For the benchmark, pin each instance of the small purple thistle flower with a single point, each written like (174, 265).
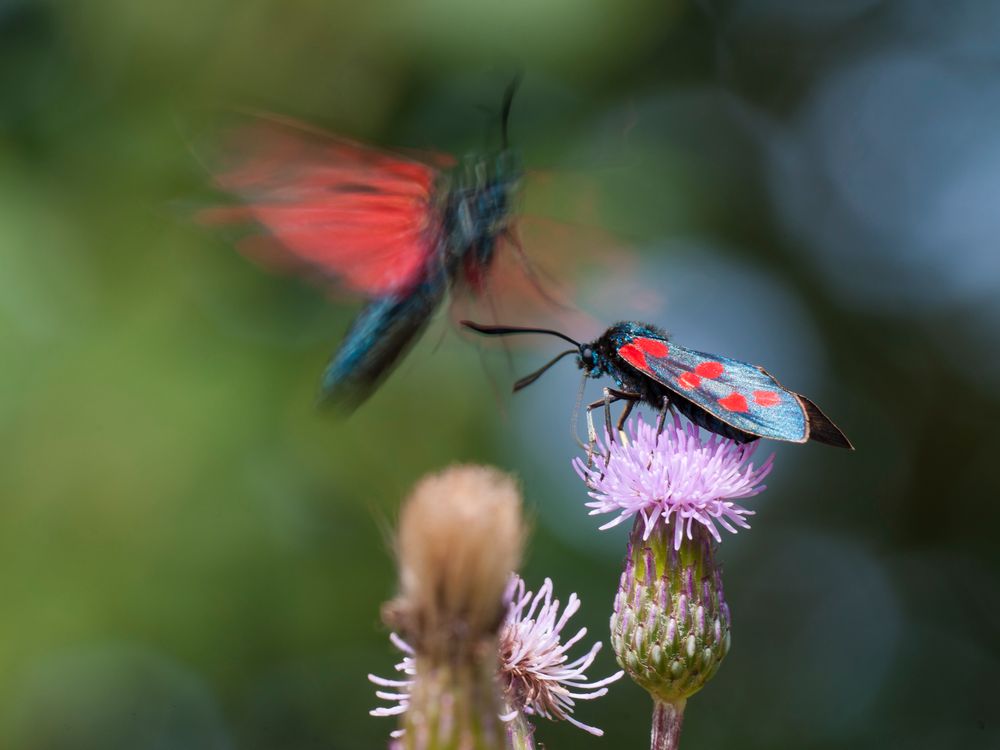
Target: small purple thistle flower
(460, 534)
(674, 474)
(535, 676)
(534, 671)
(401, 688)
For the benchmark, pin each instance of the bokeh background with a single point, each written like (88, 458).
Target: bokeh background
(192, 556)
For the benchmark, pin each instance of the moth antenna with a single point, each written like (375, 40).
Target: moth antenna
(509, 330)
(508, 100)
(491, 300)
(529, 379)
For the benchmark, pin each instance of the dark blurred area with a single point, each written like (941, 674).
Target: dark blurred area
(192, 556)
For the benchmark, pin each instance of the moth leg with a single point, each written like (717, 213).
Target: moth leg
(667, 406)
(591, 436)
(629, 405)
(608, 400)
(630, 400)
(531, 273)
(591, 431)
(611, 395)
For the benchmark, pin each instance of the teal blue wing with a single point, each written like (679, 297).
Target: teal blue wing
(742, 395)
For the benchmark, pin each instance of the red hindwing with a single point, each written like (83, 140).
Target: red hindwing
(360, 215)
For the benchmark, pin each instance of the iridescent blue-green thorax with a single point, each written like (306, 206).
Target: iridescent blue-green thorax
(600, 357)
(480, 207)
(476, 209)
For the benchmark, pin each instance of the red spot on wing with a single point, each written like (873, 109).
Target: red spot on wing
(654, 347)
(734, 402)
(634, 356)
(710, 370)
(688, 380)
(766, 398)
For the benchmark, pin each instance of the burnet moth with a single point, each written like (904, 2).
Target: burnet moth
(400, 231)
(726, 396)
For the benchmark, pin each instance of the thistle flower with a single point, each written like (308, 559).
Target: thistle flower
(534, 671)
(670, 628)
(673, 475)
(401, 688)
(460, 536)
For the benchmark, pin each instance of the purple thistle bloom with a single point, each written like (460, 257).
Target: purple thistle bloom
(676, 474)
(401, 688)
(535, 676)
(534, 671)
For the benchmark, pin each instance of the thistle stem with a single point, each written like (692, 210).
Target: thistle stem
(667, 720)
(454, 705)
(520, 734)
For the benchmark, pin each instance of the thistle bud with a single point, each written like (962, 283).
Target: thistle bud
(460, 537)
(670, 626)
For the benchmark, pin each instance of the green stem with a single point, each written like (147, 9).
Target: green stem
(454, 707)
(520, 733)
(667, 720)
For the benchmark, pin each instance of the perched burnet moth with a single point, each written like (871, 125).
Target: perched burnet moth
(722, 395)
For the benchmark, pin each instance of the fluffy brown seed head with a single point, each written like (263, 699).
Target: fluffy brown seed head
(460, 537)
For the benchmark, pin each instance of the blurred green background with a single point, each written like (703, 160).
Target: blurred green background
(191, 556)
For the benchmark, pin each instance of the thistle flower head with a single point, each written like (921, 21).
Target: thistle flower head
(535, 671)
(673, 474)
(460, 536)
(670, 628)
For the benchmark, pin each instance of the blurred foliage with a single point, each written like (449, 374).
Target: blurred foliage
(191, 556)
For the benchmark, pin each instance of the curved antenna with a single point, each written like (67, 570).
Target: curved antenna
(509, 330)
(529, 379)
(508, 99)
